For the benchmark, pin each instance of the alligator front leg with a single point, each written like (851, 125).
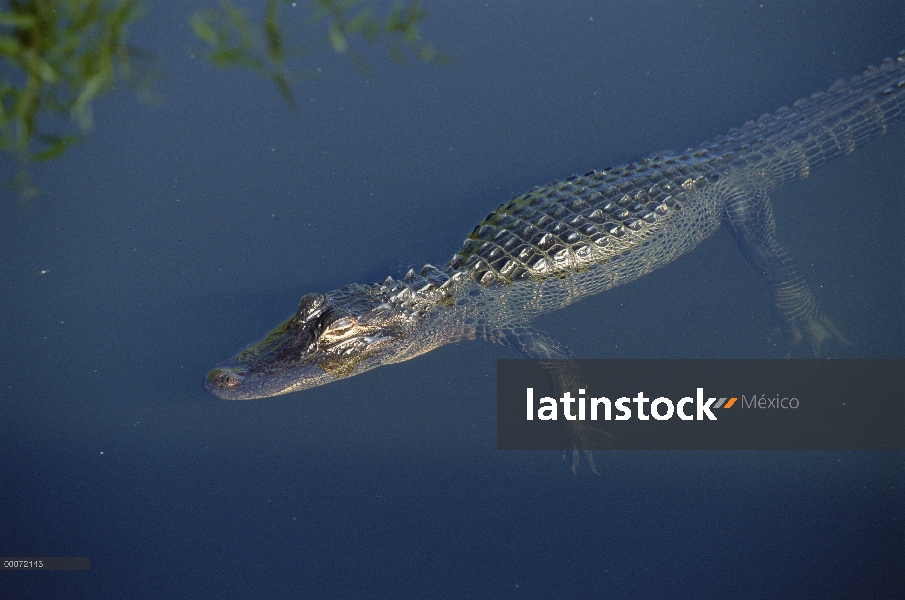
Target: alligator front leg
(749, 216)
(534, 343)
(558, 360)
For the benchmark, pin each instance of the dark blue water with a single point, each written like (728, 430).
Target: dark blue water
(180, 232)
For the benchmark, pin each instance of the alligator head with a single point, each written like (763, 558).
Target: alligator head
(330, 337)
(335, 335)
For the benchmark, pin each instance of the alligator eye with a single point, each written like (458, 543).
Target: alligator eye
(333, 326)
(339, 325)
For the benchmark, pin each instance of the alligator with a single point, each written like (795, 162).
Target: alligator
(556, 244)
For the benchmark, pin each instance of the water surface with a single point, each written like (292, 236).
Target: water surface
(179, 233)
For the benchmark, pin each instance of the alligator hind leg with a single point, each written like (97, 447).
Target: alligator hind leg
(750, 218)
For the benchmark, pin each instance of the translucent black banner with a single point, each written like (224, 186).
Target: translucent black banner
(45, 563)
(701, 405)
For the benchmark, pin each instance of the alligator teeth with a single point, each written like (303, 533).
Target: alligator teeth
(426, 288)
(427, 268)
(409, 276)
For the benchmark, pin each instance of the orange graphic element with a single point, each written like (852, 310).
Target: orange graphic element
(730, 403)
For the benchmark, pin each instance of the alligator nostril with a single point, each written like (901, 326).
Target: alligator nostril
(224, 379)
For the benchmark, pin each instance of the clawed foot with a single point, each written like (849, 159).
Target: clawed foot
(813, 328)
(584, 439)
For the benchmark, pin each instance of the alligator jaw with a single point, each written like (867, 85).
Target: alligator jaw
(236, 383)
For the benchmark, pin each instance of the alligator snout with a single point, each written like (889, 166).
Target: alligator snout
(224, 379)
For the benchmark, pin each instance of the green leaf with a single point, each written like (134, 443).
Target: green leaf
(283, 85)
(58, 145)
(359, 22)
(273, 33)
(427, 53)
(337, 39)
(17, 19)
(203, 28)
(80, 111)
(411, 33)
(45, 71)
(10, 46)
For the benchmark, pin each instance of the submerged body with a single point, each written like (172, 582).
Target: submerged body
(556, 244)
